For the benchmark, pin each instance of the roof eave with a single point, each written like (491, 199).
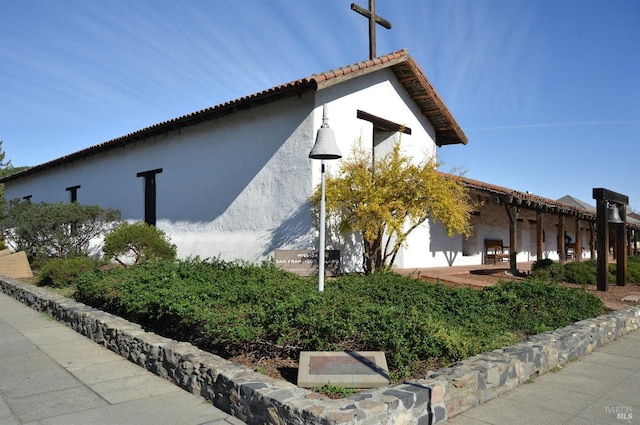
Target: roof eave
(432, 107)
(448, 131)
(164, 127)
(420, 89)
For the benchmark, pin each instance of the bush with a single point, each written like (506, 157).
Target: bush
(140, 241)
(46, 231)
(633, 269)
(235, 308)
(547, 270)
(63, 272)
(581, 272)
(535, 306)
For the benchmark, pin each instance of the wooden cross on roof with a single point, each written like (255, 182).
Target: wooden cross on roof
(373, 20)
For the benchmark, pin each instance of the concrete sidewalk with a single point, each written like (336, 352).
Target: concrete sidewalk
(600, 388)
(50, 374)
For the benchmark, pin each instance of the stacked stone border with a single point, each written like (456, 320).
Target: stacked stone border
(257, 399)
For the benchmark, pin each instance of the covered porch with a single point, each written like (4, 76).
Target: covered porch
(516, 228)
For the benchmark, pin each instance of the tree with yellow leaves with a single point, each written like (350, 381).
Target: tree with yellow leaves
(386, 200)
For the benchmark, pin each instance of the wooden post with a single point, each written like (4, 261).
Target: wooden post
(592, 240)
(512, 212)
(561, 241)
(577, 245)
(603, 198)
(602, 240)
(539, 235)
(621, 242)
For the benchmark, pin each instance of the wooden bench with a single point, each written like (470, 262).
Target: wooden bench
(495, 251)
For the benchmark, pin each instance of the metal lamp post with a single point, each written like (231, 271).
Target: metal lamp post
(325, 148)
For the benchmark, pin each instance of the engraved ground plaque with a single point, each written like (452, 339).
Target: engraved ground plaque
(350, 369)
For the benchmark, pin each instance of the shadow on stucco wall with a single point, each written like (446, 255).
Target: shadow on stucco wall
(442, 244)
(295, 232)
(300, 231)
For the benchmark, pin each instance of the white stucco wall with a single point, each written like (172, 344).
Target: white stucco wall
(492, 222)
(381, 95)
(238, 187)
(235, 187)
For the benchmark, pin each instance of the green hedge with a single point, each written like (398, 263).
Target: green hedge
(64, 272)
(582, 272)
(233, 308)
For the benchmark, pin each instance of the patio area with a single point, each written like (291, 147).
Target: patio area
(481, 275)
(473, 275)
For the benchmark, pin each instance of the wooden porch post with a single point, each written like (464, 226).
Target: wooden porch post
(539, 235)
(577, 246)
(561, 243)
(512, 212)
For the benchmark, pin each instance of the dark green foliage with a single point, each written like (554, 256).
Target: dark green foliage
(55, 230)
(334, 391)
(547, 270)
(535, 306)
(581, 272)
(63, 272)
(541, 264)
(139, 240)
(633, 269)
(231, 308)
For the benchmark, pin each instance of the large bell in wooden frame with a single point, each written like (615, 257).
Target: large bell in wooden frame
(613, 215)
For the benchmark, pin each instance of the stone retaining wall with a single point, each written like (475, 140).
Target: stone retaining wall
(257, 399)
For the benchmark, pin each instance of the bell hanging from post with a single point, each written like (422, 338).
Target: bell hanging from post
(325, 146)
(613, 215)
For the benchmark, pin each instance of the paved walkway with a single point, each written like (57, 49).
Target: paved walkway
(600, 388)
(50, 374)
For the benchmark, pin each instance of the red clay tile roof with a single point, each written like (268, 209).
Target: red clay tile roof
(524, 199)
(404, 67)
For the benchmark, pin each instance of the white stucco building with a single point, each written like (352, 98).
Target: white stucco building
(233, 181)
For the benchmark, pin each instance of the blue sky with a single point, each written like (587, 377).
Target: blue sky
(547, 91)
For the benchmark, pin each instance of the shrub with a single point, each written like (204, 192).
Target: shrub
(535, 306)
(55, 230)
(581, 272)
(139, 240)
(63, 272)
(547, 270)
(633, 269)
(235, 308)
